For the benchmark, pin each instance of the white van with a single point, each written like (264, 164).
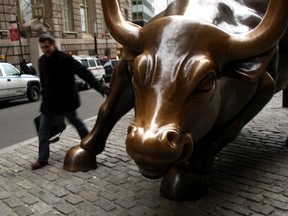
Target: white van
(15, 84)
(92, 64)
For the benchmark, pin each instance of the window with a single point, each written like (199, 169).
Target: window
(92, 63)
(85, 63)
(10, 70)
(26, 9)
(38, 9)
(84, 15)
(135, 2)
(137, 15)
(98, 62)
(67, 15)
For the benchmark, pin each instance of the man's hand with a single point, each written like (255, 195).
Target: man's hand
(103, 90)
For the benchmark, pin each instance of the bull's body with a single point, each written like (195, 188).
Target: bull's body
(196, 74)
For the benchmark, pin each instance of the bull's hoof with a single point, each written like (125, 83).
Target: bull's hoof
(78, 159)
(180, 184)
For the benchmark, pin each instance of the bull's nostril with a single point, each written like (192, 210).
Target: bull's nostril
(172, 137)
(131, 130)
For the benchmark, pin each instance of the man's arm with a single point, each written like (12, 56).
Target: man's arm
(86, 75)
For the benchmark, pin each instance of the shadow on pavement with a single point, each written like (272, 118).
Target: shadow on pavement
(7, 104)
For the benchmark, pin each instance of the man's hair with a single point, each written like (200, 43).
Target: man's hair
(46, 37)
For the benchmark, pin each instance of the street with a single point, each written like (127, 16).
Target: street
(17, 117)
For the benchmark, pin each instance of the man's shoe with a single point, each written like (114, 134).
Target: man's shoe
(39, 164)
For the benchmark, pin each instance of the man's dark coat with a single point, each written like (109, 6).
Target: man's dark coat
(59, 89)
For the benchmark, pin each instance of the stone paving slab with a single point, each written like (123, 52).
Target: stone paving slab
(249, 177)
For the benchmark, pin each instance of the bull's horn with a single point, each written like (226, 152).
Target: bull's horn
(264, 36)
(124, 32)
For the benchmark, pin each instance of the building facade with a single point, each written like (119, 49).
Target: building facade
(77, 25)
(144, 10)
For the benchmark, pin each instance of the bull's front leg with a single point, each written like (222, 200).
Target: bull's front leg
(121, 99)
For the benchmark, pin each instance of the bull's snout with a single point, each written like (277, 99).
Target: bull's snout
(155, 150)
(159, 145)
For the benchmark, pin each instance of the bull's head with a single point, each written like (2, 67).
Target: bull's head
(176, 67)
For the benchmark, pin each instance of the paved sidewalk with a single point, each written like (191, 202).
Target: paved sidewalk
(250, 177)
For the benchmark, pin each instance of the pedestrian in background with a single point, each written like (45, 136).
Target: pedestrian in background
(60, 93)
(27, 67)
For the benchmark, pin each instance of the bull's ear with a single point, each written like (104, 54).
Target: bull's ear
(251, 69)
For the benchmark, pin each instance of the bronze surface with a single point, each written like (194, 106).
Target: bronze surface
(195, 75)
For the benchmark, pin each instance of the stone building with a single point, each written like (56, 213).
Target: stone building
(77, 25)
(144, 10)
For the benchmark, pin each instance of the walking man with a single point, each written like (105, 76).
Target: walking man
(59, 92)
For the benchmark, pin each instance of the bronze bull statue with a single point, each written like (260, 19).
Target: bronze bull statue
(195, 75)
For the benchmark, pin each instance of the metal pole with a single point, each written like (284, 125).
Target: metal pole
(20, 43)
(95, 45)
(95, 40)
(19, 14)
(106, 44)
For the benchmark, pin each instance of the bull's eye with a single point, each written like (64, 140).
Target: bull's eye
(206, 84)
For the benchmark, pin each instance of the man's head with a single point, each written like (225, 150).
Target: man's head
(47, 44)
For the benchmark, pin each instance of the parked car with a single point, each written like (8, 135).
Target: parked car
(15, 84)
(109, 65)
(92, 64)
